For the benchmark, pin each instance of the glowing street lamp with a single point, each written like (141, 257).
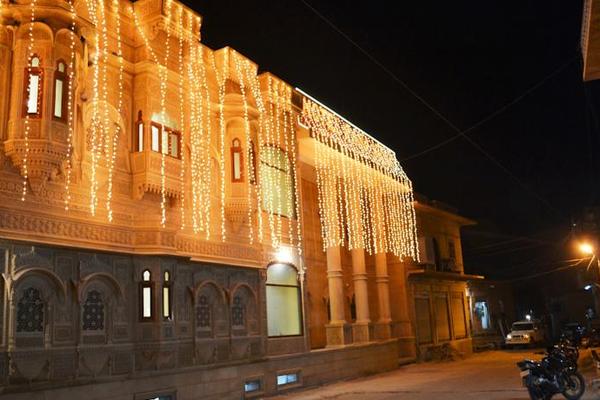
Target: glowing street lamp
(586, 248)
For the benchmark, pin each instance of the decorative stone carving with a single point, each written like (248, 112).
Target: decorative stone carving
(147, 174)
(93, 312)
(94, 360)
(44, 159)
(30, 311)
(30, 365)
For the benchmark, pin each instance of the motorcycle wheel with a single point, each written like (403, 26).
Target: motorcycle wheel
(535, 393)
(575, 386)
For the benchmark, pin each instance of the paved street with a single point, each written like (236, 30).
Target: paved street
(489, 375)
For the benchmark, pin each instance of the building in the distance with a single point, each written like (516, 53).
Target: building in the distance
(174, 225)
(438, 283)
(590, 40)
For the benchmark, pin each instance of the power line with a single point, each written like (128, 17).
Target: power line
(569, 266)
(493, 114)
(434, 110)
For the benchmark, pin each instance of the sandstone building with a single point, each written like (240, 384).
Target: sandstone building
(174, 225)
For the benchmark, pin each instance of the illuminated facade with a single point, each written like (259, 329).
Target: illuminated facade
(590, 40)
(165, 211)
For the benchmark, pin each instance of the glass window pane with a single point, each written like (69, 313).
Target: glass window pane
(146, 275)
(58, 98)
(174, 145)
(165, 142)
(147, 299)
(155, 138)
(32, 101)
(282, 274)
(286, 379)
(35, 62)
(166, 298)
(252, 386)
(237, 166)
(140, 140)
(283, 311)
(61, 67)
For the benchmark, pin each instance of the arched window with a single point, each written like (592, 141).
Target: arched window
(237, 158)
(238, 312)
(93, 312)
(32, 95)
(60, 85)
(284, 313)
(277, 181)
(204, 313)
(166, 295)
(146, 297)
(30, 312)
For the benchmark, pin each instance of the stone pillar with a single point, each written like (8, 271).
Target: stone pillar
(360, 328)
(12, 318)
(335, 328)
(383, 328)
(404, 328)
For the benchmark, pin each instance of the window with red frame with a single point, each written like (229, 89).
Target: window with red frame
(32, 89)
(60, 87)
(237, 159)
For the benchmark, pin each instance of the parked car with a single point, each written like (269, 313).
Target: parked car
(525, 333)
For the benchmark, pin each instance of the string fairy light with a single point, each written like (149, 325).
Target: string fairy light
(295, 177)
(27, 130)
(164, 70)
(115, 138)
(374, 195)
(105, 127)
(180, 32)
(68, 166)
(252, 83)
(193, 127)
(221, 82)
(92, 11)
(266, 156)
(163, 77)
(240, 77)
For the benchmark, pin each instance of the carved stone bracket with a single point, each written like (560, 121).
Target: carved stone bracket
(44, 159)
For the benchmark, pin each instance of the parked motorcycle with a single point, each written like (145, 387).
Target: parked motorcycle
(568, 348)
(556, 373)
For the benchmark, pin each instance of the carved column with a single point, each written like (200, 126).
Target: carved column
(382, 327)
(360, 328)
(335, 328)
(12, 317)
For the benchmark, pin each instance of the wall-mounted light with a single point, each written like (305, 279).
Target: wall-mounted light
(284, 254)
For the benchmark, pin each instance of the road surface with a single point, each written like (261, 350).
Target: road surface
(488, 375)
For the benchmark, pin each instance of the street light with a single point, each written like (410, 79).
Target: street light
(586, 248)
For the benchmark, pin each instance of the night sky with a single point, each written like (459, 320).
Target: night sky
(467, 59)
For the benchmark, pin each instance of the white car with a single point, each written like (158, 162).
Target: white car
(525, 332)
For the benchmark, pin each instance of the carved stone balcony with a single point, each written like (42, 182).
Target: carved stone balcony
(147, 175)
(44, 158)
